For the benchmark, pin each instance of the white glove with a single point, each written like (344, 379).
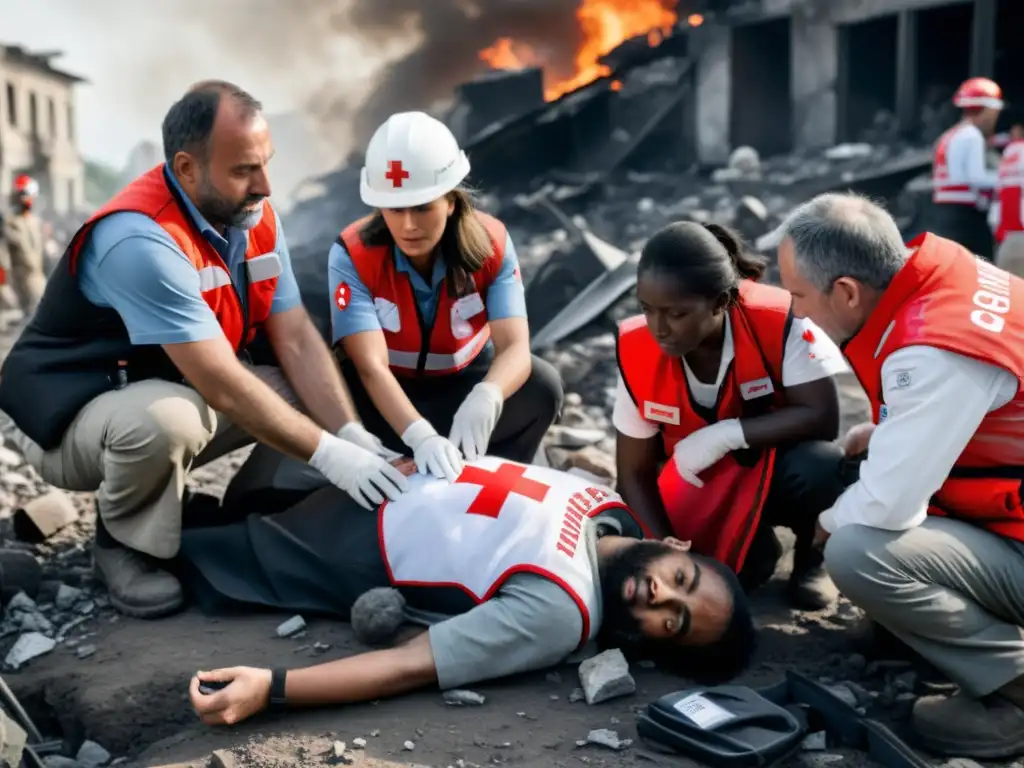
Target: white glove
(706, 447)
(356, 433)
(474, 421)
(433, 454)
(365, 477)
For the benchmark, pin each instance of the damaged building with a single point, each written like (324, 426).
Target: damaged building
(37, 127)
(784, 75)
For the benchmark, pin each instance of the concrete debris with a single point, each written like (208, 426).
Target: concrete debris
(44, 516)
(30, 645)
(92, 755)
(59, 761)
(292, 627)
(222, 758)
(338, 754)
(359, 743)
(606, 676)
(577, 695)
(67, 597)
(605, 737)
(814, 742)
(574, 437)
(12, 740)
(459, 698)
(409, 746)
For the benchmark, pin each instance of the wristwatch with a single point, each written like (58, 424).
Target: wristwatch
(278, 701)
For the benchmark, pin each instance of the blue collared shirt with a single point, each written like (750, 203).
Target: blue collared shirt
(131, 264)
(505, 297)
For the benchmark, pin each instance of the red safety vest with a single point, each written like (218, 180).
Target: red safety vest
(946, 298)
(1011, 190)
(720, 518)
(459, 332)
(946, 189)
(151, 195)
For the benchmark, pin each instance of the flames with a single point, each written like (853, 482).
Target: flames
(605, 24)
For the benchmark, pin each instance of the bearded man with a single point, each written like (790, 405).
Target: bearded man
(137, 365)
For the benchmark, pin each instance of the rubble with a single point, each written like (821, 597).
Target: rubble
(292, 627)
(458, 698)
(606, 676)
(605, 737)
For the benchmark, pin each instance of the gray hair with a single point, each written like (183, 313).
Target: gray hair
(189, 122)
(845, 235)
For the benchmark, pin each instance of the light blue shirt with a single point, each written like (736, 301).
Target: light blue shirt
(505, 297)
(132, 265)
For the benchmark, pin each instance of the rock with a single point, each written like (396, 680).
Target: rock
(606, 676)
(814, 742)
(34, 622)
(85, 651)
(358, 743)
(293, 626)
(844, 694)
(9, 458)
(577, 695)
(605, 737)
(751, 218)
(222, 758)
(457, 698)
(571, 437)
(12, 740)
(67, 597)
(746, 161)
(29, 646)
(59, 761)
(377, 615)
(92, 755)
(337, 756)
(409, 746)
(595, 462)
(21, 602)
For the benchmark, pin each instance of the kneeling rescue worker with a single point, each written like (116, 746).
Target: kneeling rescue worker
(962, 185)
(429, 311)
(130, 373)
(720, 379)
(929, 540)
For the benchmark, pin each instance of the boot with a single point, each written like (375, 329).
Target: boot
(136, 585)
(810, 588)
(989, 728)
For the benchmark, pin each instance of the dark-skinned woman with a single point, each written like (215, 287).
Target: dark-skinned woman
(429, 312)
(726, 410)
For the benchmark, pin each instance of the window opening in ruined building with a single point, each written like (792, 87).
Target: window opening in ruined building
(51, 110)
(761, 93)
(867, 88)
(12, 106)
(33, 114)
(943, 62)
(1009, 56)
(71, 123)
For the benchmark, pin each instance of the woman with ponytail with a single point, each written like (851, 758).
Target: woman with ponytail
(726, 409)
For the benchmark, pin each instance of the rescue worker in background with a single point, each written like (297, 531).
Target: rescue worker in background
(962, 186)
(131, 372)
(429, 312)
(725, 409)
(1006, 217)
(23, 241)
(930, 540)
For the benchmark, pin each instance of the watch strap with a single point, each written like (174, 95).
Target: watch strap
(278, 701)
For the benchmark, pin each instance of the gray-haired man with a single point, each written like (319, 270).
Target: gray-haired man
(930, 539)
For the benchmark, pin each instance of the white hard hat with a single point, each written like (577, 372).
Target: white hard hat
(412, 159)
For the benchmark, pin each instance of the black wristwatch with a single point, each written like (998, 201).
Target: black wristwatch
(278, 702)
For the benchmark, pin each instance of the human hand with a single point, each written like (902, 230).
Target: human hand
(356, 433)
(706, 447)
(434, 455)
(857, 439)
(475, 420)
(364, 476)
(247, 693)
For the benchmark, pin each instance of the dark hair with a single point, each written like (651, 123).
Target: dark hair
(707, 259)
(713, 664)
(465, 245)
(188, 124)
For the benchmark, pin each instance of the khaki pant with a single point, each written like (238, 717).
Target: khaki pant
(951, 591)
(134, 447)
(1010, 255)
(24, 260)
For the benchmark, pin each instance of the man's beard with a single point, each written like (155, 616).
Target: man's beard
(629, 562)
(221, 212)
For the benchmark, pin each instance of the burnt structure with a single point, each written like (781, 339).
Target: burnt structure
(783, 75)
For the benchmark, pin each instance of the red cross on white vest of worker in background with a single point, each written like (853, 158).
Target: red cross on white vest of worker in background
(396, 173)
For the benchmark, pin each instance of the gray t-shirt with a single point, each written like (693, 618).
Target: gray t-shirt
(531, 623)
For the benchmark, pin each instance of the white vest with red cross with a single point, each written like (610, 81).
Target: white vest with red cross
(498, 519)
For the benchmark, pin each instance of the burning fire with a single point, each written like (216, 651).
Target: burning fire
(606, 24)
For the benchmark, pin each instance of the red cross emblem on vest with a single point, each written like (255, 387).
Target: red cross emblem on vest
(497, 486)
(396, 173)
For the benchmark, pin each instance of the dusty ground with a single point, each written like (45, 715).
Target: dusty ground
(122, 682)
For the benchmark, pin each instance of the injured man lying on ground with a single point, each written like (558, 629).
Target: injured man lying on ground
(512, 568)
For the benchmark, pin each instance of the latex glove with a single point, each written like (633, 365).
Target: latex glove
(363, 475)
(474, 421)
(247, 692)
(356, 433)
(706, 447)
(434, 455)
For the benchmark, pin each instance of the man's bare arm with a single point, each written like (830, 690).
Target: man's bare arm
(310, 368)
(230, 388)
